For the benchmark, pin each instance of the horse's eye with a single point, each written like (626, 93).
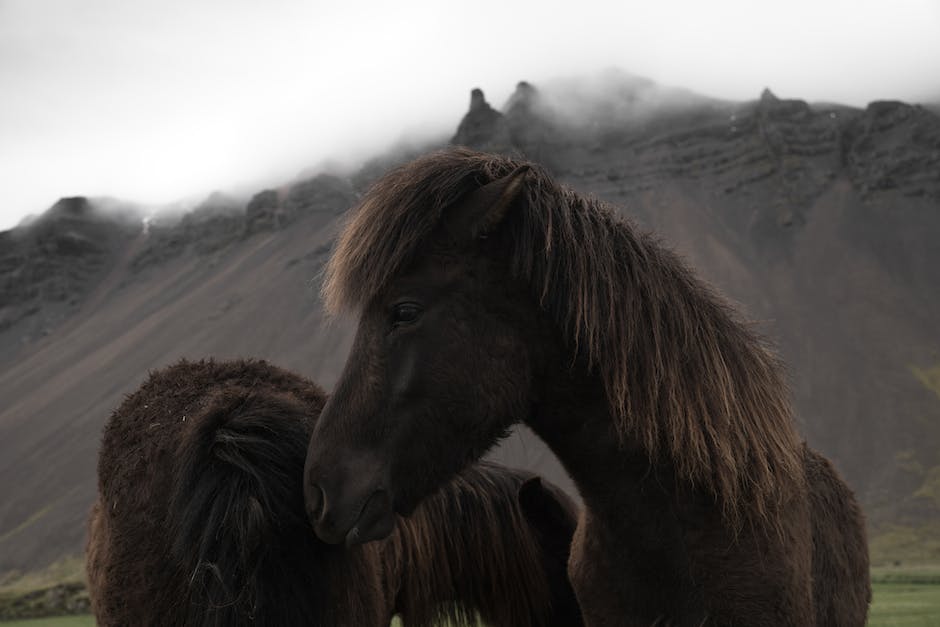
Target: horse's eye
(405, 313)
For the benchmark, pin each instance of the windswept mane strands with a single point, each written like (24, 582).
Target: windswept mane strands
(684, 375)
(493, 565)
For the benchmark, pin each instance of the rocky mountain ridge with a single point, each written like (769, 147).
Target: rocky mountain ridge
(822, 220)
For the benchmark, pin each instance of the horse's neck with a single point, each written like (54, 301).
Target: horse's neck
(574, 419)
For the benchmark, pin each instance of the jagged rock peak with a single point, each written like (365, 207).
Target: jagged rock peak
(769, 104)
(522, 98)
(478, 100)
(71, 205)
(71, 210)
(482, 127)
(524, 91)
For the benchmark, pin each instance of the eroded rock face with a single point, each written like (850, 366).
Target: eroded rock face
(50, 264)
(324, 193)
(262, 212)
(221, 222)
(895, 146)
(728, 146)
(213, 225)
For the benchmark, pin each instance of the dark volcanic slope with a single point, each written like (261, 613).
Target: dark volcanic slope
(824, 221)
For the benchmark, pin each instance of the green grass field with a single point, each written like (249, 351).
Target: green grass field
(905, 605)
(902, 598)
(894, 605)
(905, 595)
(59, 621)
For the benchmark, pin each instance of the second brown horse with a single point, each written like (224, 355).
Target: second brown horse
(200, 522)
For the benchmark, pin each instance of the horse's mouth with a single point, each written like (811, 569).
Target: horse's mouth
(376, 520)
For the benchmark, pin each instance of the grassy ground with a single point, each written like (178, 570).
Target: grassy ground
(58, 621)
(895, 605)
(906, 596)
(905, 605)
(57, 589)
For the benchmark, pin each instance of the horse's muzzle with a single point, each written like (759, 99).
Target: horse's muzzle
(349, 508)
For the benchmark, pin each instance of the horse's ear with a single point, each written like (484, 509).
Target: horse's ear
(546, 510)
(485, 208)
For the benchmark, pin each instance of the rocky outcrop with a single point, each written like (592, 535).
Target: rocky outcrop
(894, 146)
(50, 264)
(214, 224)
(322, 194)
(789, 146)
(526, 119)
(524, 127)
(784, 151)
(220, 221)
(483, 127)
(262, 213)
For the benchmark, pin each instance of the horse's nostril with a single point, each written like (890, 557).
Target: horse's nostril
(315, 501)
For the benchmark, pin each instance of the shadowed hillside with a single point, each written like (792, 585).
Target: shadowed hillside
(822, 220)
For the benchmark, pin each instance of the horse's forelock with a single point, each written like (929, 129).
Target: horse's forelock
(394, 219)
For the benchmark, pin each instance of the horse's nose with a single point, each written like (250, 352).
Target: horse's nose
(321, 510)
(339, 493)
(315, 500)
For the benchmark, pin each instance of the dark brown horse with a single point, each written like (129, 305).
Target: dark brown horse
(200, 521)
(490, 294)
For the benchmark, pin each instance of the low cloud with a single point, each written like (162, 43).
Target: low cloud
(156, 101)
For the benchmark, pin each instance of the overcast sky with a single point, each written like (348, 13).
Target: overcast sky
(154, 101)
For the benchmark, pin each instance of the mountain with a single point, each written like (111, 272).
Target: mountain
(823, 221)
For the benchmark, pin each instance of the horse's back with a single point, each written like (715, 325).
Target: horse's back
(200, 517)
(841, 580)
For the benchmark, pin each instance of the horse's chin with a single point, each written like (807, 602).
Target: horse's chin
(376, 520)
(405, 509)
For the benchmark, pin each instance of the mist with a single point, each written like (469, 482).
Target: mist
(154, 102)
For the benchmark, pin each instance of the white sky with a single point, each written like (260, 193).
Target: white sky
(156, 100)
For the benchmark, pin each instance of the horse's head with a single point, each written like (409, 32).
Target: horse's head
(441, 367)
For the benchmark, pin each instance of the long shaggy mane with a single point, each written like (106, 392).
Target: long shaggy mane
(685, 375)
(493, 565)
